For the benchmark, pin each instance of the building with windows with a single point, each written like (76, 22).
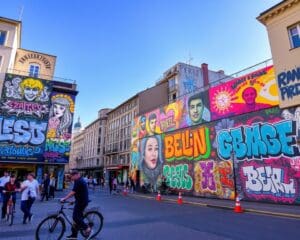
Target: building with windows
(89, 146)
(283, 25)
(184, 78)
(76, 146)
(34, 64)
(118, 134)
(37, 106)
(10, 41)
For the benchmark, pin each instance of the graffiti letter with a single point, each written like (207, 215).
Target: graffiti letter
(37, 132)
(177, 145)
(224, 147)
(268, 135)
(256, 147)
(239, 147)
(252, 182)
(208, 180)
(21, 134)
(199, 142)
(6, 129)
(285, 130)
(169, 148)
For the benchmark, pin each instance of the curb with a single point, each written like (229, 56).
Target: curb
(277, 214)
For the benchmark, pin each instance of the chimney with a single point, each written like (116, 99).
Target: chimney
(221, 72)
(204, 67)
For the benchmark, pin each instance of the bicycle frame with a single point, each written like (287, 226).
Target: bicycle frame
(62, 214)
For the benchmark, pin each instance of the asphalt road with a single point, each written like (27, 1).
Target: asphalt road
(129, 218)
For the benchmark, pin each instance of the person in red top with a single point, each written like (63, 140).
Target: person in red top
(9, 187)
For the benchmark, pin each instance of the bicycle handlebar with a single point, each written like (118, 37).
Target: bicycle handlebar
(4, 191)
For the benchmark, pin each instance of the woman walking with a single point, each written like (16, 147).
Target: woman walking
(30, 191)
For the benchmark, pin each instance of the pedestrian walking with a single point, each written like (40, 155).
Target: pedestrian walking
(90, 182)
(110, 183)
(52, 186)
(30, 191)
(80, 192)
(115, 183)
(132, 185)
(45, 187)
(102, 182)
(94, 183)
(3, 180)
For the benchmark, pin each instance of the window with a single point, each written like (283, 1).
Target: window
(294, 33)
(2, 37)
(34, 70)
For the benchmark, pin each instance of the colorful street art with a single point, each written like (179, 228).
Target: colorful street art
(264, 146)
(251, 92)
(58, 142)
(188, 111)
(24, 110)
(35, 121)
(240, 143)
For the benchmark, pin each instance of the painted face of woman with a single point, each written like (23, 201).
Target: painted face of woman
(151, 153)
(58, 110)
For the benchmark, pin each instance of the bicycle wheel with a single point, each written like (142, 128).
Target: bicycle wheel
(94, 220)
(52, 227)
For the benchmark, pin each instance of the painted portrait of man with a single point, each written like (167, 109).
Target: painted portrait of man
(197, 111)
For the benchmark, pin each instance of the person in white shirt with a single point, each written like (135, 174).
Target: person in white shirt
(30, 191)
(3, 180)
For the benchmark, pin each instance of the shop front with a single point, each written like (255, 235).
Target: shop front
(20, 170)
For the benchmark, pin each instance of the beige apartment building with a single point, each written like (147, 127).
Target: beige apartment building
(35, 64)
(10, 41)
(283, 25)
(88, 147)
(118, 137)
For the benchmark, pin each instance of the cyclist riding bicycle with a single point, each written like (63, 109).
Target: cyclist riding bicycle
(80, 192)
(10, 189)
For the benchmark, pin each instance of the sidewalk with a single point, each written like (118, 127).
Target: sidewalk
(280, 210)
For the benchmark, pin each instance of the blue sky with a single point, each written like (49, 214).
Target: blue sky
(116, 48)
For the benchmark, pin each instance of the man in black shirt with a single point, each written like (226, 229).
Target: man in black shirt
(80, 192)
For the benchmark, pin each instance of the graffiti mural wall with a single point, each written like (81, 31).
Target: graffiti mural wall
(251, 92)
(35, 121)
(266, 154)
(24, 114)
(252, 152)
(58, 142)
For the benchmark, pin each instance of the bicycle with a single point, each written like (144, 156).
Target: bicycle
(10, 208)
(55, 224)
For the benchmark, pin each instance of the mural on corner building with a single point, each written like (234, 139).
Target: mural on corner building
(35, 121)
(24, 111)
(58, 141)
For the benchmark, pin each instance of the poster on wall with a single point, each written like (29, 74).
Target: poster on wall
(24, 111)
(58, 142)
(251, 92)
